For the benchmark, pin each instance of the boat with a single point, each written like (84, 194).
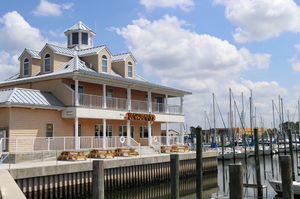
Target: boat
(277, 186)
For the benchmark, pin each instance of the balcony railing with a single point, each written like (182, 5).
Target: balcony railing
(96, 101)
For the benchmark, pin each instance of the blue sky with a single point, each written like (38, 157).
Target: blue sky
(201, 46)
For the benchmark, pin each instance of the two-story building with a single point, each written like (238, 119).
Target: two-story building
(84, 91)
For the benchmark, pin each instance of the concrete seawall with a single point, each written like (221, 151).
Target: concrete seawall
(119, 173)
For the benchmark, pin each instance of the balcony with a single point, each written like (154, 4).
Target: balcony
(121, 104)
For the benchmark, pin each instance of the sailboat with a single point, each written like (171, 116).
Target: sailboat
(277, 186)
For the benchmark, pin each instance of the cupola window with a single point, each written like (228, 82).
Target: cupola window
(130, 74)
(104, 64)
(47, 63)
(75, 38)
(26, 67)
(84, 38)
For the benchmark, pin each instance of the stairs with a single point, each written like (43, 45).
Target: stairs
(147, 150)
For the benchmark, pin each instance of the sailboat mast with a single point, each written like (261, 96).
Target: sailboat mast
(214, 118)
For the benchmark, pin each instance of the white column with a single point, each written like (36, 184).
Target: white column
(104, 133)
(149, 102)
(167, 133)
(149, 134)
(104, 95)
(76, 133)
(76, 93)
(181, 132)
(129, 98)
(128, 133)
(166, 104)
(181, 104)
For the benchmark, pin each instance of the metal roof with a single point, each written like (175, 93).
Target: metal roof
(32, 53)
(121, 57)
(90, 51)
(79, 26)
(21, 96)
(60, 50)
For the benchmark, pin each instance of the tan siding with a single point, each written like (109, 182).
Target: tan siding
(4, 117)
(46, 50)
(93, 60)
(59, 61)
(130, 59)
(106, 53)
(35, 66)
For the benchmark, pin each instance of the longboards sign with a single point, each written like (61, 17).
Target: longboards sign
(140, 117)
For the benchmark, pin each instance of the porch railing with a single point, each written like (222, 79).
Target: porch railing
(170, 140)
(139, 106)
(96, 101)
(25, 144)
(1, 147)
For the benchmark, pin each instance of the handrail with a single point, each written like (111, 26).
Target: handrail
(3, 159)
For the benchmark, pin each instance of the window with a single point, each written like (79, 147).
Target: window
(144, 132)
(49, 130)
(104, 64)
(99, 130)
(80, 91)
(123, 130)
(129, 69)
(84, 38)
(69, 39)
(75, 38)
(47, 63)
(26, 67)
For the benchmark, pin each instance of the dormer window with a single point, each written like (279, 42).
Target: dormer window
(75, 38)
(84, 38)
(104, 64)
(130, 68)
(47, 63)
(26, 67)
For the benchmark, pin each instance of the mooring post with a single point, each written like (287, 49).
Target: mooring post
(98, 179)
(174, 173)
(257, 165)
(286, 177)
(199, 184)
(236, 181)
(291, 152)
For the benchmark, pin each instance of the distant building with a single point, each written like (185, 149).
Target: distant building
(171, 132)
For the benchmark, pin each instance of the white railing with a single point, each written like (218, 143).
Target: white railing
(25, 144)
(116, 103)
(95, 101)
(139, 106)
(174, 109)
(170, 140)
(158, 108)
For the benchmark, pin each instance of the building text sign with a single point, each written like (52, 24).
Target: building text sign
(140, 117)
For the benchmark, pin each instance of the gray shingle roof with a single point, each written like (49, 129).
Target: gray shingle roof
(21, 96)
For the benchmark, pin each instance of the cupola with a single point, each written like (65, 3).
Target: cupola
(80, 35)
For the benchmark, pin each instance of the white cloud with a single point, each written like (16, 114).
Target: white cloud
(8, 65)
(16, 34)
(258, 20)
(185, 5)
(46, 8)
(196, 62)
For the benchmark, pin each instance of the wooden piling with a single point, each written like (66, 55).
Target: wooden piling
(174, 171)
(235, 181)
(286, 177)
(257, 165)
(199, 165)
(291, 152)
(98, 179)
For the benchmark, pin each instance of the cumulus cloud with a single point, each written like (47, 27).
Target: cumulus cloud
(8, 65)
(16, 34)
(295, 60)
(185, 5)
(196, 62)
(258, 20)
(46, 8)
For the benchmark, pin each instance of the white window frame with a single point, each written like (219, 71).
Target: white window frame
(26, 62)
(143, 128)
(104, 59)
(125, 127)
(130, 65)
(109, 130)
(47, 58)
(87, 41)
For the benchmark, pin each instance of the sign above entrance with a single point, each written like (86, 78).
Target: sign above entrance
(140, 117)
